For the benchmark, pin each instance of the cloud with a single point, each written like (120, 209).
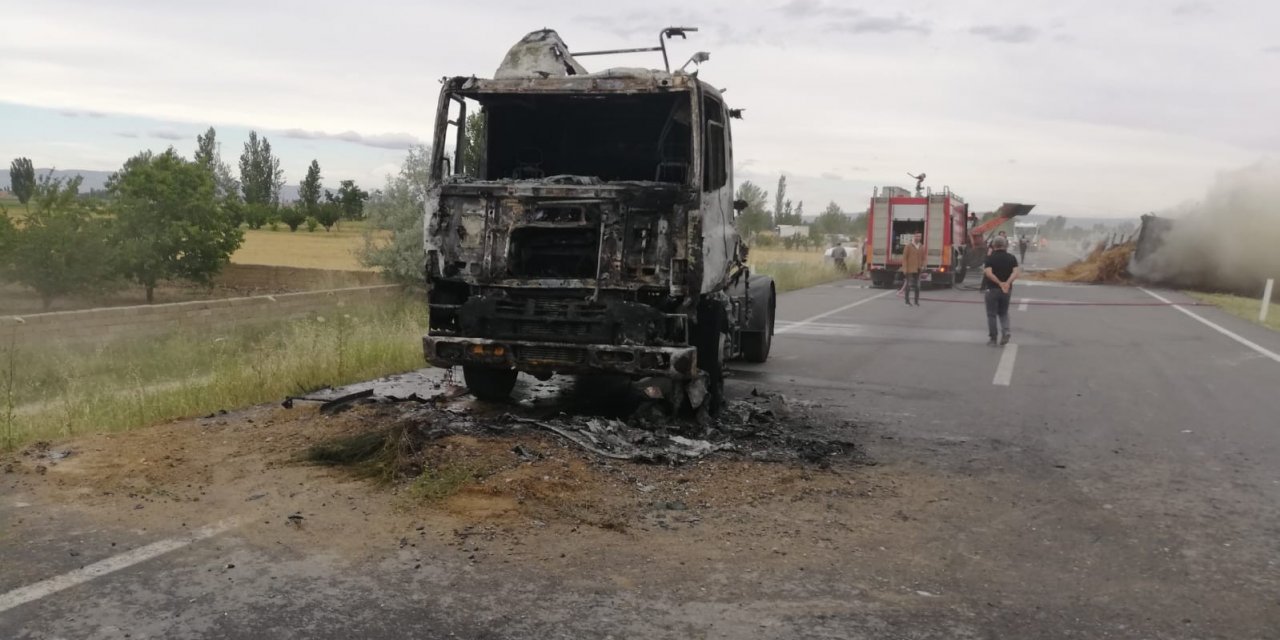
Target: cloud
(1011, 33)
(1272, 49)
(166, 134)
(817, 9)
(127, 134)
(830, 176)
(883, 25)
(77, 113)
(378, 140)
(1192, 9)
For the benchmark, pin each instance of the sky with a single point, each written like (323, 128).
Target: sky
(1086, 108)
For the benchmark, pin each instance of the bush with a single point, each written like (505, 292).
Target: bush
(312, 223)
(397, 211)
(256, 215)
(328, 214)
(292, 216)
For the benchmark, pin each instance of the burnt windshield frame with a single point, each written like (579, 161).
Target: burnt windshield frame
(531, 135)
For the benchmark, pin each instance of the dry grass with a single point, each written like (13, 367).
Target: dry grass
(1241, 306)
(319, 249)
(1101, 266)
(793, 269)
(60, 391)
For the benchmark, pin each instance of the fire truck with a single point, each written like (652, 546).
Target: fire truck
(953, 240)
(942, 221)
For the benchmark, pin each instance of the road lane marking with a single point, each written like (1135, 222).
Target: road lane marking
(1212, 325)
(884, 332)
(801, 323)
(33, 592)
(1004, 370)
(1022, 304)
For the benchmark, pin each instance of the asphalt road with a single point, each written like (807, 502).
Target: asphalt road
(1124, 459)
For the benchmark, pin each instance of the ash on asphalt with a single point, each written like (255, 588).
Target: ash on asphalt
(609, 417)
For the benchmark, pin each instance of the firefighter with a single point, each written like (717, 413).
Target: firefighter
(912, 263)
(998, 272)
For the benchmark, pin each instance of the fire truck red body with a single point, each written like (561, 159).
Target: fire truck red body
(941, 219)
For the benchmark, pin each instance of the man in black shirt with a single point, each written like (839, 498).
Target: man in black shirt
(998, 272)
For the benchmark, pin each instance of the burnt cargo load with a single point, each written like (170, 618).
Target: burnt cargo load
(589, 227)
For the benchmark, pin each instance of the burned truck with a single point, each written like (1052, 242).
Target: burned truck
(584, 223)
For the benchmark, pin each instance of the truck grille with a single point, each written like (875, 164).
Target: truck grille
(550, 355)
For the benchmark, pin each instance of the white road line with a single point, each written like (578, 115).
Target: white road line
(801, 323)
(1004, 370)
(30, 593)
(1022, 304)
(1226, 332)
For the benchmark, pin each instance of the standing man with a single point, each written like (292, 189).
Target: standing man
(838, 255)
(1023, 242)
(999, 271)
(912, 263)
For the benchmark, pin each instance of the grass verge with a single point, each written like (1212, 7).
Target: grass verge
(792, 270)
(1241, 306)
(54, 391)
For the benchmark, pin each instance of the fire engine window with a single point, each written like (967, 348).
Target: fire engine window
(714, 174)
(902, 232)
(607, 136)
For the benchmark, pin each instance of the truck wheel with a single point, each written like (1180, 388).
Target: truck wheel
(756, 344)
(489, 384)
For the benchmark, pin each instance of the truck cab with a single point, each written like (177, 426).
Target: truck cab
(584, 223)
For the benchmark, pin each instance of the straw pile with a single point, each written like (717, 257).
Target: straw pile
(1102, 266)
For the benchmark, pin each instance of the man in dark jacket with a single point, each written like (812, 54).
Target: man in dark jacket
(999, 271)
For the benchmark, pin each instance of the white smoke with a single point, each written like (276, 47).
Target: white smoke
(1230, 241)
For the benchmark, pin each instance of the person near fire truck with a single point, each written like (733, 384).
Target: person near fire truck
(912, 263)
(999, 271)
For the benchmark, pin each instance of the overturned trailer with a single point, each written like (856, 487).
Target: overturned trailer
(590, 227)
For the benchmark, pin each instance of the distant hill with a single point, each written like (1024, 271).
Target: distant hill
(97, 181)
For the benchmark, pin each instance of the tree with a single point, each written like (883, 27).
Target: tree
(7, 232)
(1053, 226)
(779, 200)
(328, 214)
(60, 249)
(309, 191)
(209, 156)
(473, 151)
(22, 179)
(799, 214)
(831, 221)
(168, 222)
(292, 215)
(350, 198)
(396, 211)
(260, 173)
(755, 218)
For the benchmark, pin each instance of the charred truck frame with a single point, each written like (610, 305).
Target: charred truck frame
(591, 229)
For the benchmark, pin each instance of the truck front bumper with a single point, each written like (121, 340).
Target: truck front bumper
(557, 357)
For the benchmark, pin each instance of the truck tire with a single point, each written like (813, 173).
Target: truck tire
(489, 384)
(756, 344)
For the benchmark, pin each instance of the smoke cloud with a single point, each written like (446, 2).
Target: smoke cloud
(1230, 241)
